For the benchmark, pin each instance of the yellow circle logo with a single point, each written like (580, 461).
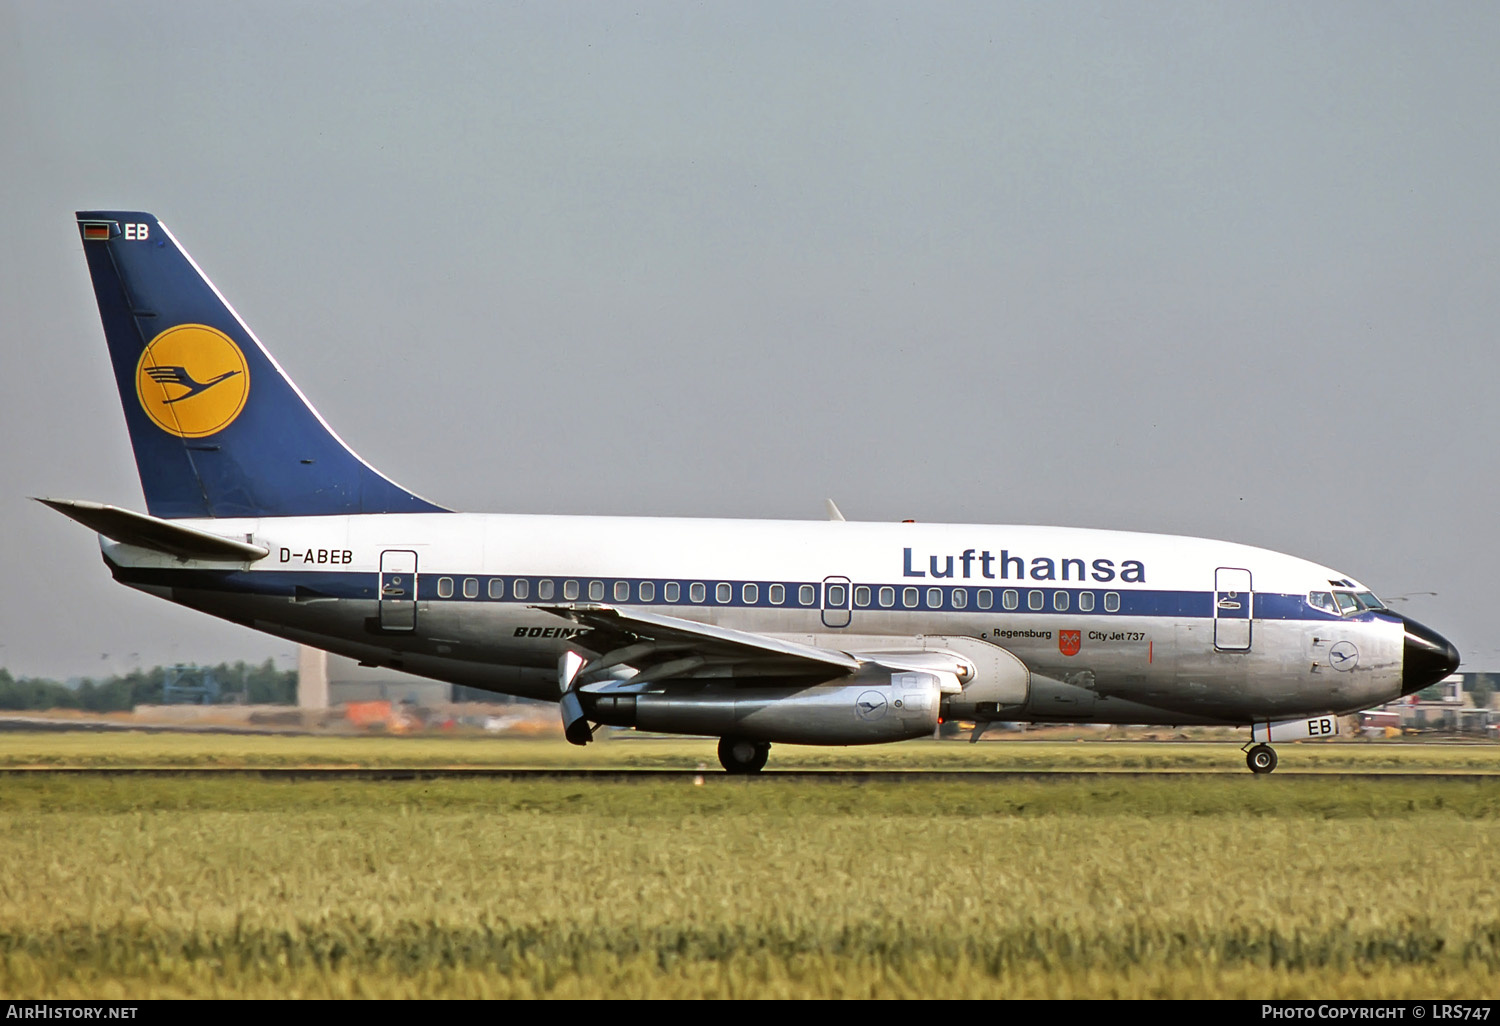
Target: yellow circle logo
(192, 381)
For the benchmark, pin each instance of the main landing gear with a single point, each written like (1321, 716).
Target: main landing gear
(740, 755)
(1261, 759)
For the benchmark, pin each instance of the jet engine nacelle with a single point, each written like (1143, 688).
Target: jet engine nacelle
(998, 683)
(869, 707)
(993, 684)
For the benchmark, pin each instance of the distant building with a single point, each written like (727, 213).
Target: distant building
(1448, 706)
(325, 680)
(312, 678)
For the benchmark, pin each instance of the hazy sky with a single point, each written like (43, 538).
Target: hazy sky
(1229, 270)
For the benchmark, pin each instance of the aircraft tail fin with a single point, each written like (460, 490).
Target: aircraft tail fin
(218, 428)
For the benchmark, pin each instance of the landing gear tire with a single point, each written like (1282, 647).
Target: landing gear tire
(1261, 759)
(740, 755)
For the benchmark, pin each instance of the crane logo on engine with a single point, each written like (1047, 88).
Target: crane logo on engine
(870, 705)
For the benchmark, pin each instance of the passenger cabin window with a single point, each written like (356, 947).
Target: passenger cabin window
(672, 591)
(521, 588)
(622, 591)
(750, 594)
(445, 587)
(1346, 602)
(497, 587)
(1035, 600)
(838, 597)
(887, 597)
(934, 598)
(807, 594)
(1111, 601)
(1060, 601)
(778, 594)
(862, 596)
(697, 592)
(960, 597)
(723, 593)
(596, 591)
(570, 590)
(648, 591)
(1085, 602)
(1322, 600)
(545, 588)
(909, 598)
(1010, 598)
(471, 587)
(986, 598)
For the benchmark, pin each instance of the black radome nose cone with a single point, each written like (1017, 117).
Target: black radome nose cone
(1428, 657)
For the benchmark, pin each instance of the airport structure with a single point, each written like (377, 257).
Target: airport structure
(326, 681)
(1447, 707)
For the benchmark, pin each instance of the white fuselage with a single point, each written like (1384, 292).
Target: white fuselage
(1132, 627)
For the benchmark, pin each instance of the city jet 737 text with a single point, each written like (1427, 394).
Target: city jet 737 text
(753, 631)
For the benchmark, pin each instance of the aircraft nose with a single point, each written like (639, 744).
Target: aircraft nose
(1427, 658)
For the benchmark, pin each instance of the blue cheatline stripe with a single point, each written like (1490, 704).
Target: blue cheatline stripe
(929, 598)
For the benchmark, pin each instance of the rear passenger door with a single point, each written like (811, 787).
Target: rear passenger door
(398, 590)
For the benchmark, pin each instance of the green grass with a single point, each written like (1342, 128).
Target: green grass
(1170, 887)
(219, 750)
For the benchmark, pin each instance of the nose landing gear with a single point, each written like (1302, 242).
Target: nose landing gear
(740, 755)
(1261, 759)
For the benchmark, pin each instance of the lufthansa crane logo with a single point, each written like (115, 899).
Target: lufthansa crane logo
(192, 381)
(870, 705)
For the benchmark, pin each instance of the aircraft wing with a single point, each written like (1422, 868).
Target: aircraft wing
(666, 646)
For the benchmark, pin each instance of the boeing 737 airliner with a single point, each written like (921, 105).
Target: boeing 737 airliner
(756, 632)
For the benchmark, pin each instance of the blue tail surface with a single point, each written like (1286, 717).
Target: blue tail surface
(218, 428)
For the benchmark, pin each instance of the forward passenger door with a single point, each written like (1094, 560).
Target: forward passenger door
(1232, 609)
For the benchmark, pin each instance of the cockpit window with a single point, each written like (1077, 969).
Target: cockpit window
(1322, 600)
(1343, 603)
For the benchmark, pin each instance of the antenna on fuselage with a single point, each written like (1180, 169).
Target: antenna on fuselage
(833, 510)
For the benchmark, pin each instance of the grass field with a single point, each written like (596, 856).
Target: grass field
(190, 750)
(1169, 887)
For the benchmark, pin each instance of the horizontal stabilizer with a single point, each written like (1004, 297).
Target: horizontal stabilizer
(147, 532)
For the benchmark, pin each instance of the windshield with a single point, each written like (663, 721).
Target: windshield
(1348, 602)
